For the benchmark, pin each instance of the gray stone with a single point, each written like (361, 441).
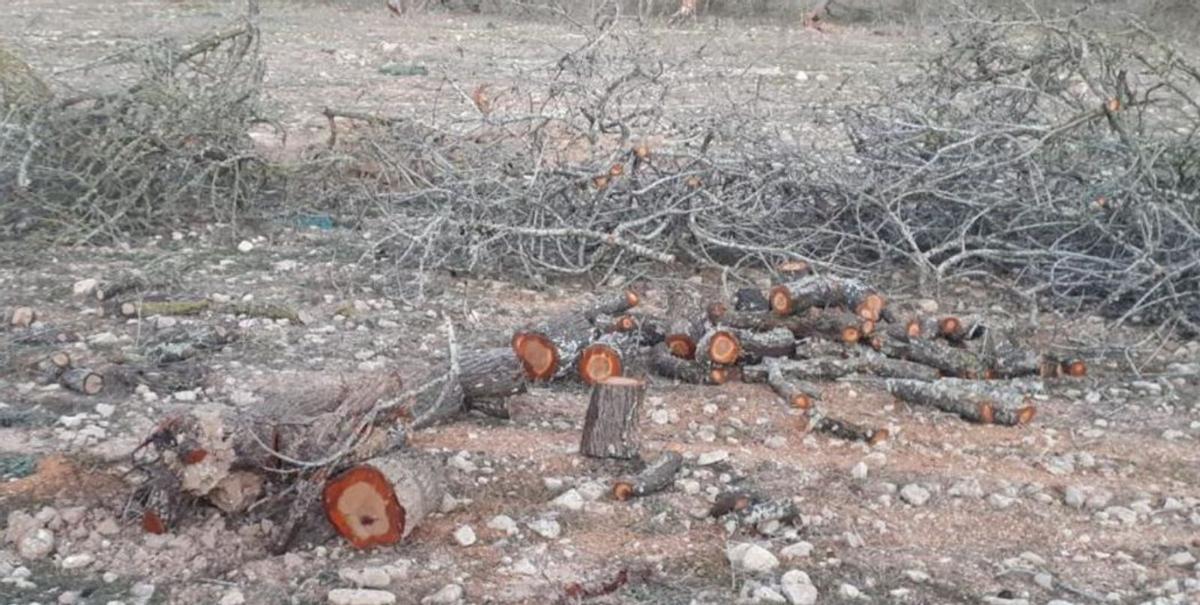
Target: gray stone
(1001, 501)
(503, 523)
(1182, 558)
(798, 588)
(751, 558)
(360, 596)
(36, 544)
(569, 500)
(77, 561)
(798, 550)
(448, 595)
(917, 576)
(233, 597)
(1074, 496)
(859, 471)
(713, 457)
(766, 594)
(546, 528)
(369, 577)
(914, 494)
(849, 591)
(464, 535)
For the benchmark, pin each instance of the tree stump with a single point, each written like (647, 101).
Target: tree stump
(610, 429)
(380, 501)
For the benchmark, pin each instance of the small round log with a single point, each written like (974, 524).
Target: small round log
(379, 502)
(82, 380)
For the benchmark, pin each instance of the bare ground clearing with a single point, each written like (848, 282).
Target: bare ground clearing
(1003, 513)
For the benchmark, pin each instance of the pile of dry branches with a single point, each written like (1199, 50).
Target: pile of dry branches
(1038, 151)
(167, 144)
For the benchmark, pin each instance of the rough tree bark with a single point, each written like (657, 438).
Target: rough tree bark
(611, 427)
(667, 364)
(655, 477)
(982, 402)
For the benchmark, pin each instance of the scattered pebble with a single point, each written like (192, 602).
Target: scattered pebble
(569, 500)
(799, 550)
(464, 535)
(914, 494)
(798, 588)
(360, 596)
(709, 458)
(245, 246)
(503, 523)
(546, 528)
(448, 595)
(369, 577)
(748, 557)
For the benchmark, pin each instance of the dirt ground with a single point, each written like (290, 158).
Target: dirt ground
(1098, 500)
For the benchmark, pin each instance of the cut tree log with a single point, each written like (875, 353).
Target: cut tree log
(756, 346)
(982, 402)
(665, 363)
(957, 329)
(613, 304)
(751, 299)
(827, 291)
(497, 407)
(82, 380)
(1006, 359)
(46, 369)
(605, 358)
(551, 350)
(381, 501)
(950, 361)
(654, 478)
(185, 342)
(437, 404)
(718, 347)
(614, 323)
(490, 373)
(819, 422)
(22, 317)
(782, 510)
(683, 333)
(797, 394)
(830, 368)
(611, 427)
(649, 331)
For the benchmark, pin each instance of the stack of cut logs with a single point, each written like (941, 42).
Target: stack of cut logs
(344, 458)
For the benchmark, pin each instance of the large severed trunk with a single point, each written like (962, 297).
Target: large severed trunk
(551, 350)
(982, 402)
(380, 501)
(827, 291)
(491, 373)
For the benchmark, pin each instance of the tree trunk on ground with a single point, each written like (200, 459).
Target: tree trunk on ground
(718, 347)
(983, 402)
(828, 368)
(682, 335)
(551, 350)
(797, 394)
(826, 291)
(380, 501)
(82, 380)
(657, 476)
(490, 373)
(950, 361)
(667, 364)
(757, 346)
(610, 429)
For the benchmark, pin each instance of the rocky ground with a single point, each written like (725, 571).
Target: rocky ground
(1098, 500)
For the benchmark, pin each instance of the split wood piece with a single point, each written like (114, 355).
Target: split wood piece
(818, 422)
(830, 324)
(490, 373)
(751, 299)
(782, 510)
(613, 304)
(611, 428)
(82, 380)
(827, 291)
(756, 346)
(829, 368)
(797, 394)
(654, 478)
(22, 317)
(718, 347)
(683, 333)
(667, 364)
(550, 350)
(379, 502)
(950, 361)
(982, 402)
(614, 323)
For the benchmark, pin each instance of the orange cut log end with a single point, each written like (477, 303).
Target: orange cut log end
(801, 402)
(362, 507)
(870, 307)
(622, 491)
(867, 327)
(724, 348)
(878, 437)
(913, 328)
(987, 414)
(633, 298)
(718, 375)
(624, 323)
(1076, 368)
(195, 456)
(599, 362)
(538, 355)
(716, 311)
(781, 300)
(152, 523)
(681, 346)
(851, 335)
(1025, 415)
(949, 326)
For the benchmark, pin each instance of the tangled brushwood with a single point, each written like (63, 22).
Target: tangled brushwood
(167, 145)
(1055, 157)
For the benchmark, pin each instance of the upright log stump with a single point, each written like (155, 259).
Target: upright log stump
(610, 429)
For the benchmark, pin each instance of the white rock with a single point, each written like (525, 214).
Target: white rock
(859, 471)
(546, 528)
(1122, 514)
(751, 558)
(849, 591)
(914, 494)
(916, 575)
(967, 488)
(448, 595)
(568, 500)
(798, 550)
(1074, 496)
(766, 594)
(660, 416)
(84, 287)
(464, 535)
(526, 568)
(360, 596)
(245, 246)
(36, 544)
(77, 561)
(105, 410)
(1182, 558)
(801, 76)
(503, 523)
(369, 577)
(1001, 501)
(233, 597)
(798, 588)
(708, 458)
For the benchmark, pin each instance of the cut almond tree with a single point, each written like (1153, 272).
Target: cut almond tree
(818, 422)
(718, 347)
(654, 478)
(610, 428)
(827, 291)
(665, 363)
(551, 350)
(604, 358)
(82, 380)
(380, 501)
(682, 335)
(982, 402)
